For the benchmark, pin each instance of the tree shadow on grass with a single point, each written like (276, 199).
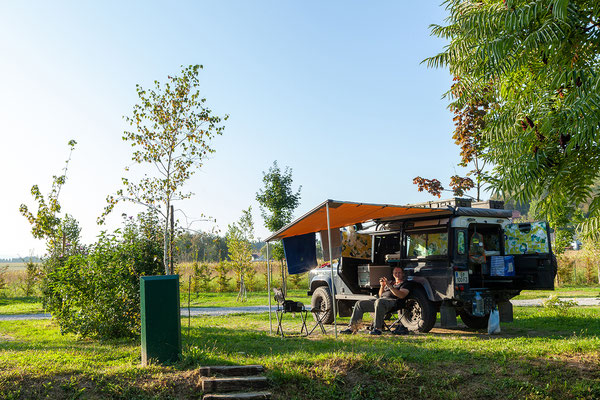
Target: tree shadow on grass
(7, 301)
(438, 366)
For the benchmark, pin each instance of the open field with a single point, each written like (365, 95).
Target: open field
(540, 355)
(14, 266)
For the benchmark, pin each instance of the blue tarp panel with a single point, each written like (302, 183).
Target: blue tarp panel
(300, 253)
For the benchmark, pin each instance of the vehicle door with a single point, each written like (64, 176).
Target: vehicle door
(529, 244)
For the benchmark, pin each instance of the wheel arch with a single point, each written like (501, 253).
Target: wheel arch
(318, 283)
(422, 283)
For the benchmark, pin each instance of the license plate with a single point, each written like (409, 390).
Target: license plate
(461, 277)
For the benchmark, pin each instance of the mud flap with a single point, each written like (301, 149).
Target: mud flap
(505, 308)
(448, 316)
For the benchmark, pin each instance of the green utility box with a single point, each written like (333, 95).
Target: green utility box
(161, 324)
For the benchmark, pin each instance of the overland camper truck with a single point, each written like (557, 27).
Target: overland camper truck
(460, 259)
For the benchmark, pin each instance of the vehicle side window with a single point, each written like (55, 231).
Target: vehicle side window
(461, 242)
(424, 244)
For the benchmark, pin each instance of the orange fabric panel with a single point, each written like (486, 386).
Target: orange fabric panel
(345, 214)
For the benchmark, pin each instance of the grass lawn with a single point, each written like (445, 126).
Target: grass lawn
(565, 291)
(21, 305)
(540, 355)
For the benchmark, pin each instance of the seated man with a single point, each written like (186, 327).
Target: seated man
(389, 294)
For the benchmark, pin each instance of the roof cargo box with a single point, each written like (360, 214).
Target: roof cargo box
(493, 204)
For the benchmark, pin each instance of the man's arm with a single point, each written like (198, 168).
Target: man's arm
(399, 293)
(382, 283)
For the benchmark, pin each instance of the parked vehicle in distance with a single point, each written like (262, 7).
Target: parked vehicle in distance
(463, 261)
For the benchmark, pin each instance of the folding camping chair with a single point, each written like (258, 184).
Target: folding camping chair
(396, 326)
(289, 306)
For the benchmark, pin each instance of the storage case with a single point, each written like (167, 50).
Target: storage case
(369, 275)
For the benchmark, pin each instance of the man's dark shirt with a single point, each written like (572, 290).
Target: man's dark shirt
(387, 293)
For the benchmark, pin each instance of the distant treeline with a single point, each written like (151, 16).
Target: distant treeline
(190, 247)
(34, 259)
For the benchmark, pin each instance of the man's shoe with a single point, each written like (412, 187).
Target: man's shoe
(347, 331)
(375, 331)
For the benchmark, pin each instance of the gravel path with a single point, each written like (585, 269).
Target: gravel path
(215, 311)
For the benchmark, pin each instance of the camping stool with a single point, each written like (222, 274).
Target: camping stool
(319, 316)
(289, 306)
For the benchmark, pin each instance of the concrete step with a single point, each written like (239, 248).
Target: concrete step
(238, 396)
(231, 370)
(233, 384)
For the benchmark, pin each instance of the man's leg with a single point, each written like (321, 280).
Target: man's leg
(382, 307)
(360, 308)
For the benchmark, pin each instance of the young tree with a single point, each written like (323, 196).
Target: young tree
(239, 237)
(540, 61)
(172, 129)
(46, 223)
(277, 203)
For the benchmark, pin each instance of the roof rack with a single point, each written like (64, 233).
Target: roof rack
(453, 202)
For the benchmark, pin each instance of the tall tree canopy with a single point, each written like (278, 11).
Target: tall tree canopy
(539, 61)
(277, 200)
(172, 129)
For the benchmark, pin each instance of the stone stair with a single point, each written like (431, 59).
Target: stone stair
(231, 382)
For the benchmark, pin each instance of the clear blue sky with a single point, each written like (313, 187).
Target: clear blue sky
(335, 90)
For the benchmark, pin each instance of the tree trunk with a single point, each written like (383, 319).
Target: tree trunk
(166, 242)
(242, 293)
(171, 239)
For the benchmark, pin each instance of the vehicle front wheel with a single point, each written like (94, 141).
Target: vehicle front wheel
(322, 300)
(419, 313)
(472, 321)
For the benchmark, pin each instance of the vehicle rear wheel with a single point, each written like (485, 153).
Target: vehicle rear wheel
(321, 300)
(472, 321)
(419, 312)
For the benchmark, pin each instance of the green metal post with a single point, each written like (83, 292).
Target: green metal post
(161, 323)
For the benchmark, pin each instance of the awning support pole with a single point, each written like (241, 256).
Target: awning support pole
(269, 289)
(331, 266)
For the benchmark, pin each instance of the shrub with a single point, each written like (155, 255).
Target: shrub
(558, 306)
(3, 278)
(96, 293)
(202, 277)
(30, 281)
(223, 268)
(564, 273)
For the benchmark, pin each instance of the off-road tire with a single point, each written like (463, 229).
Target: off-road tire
(472, 321)
(321, 300)
(419, 313)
